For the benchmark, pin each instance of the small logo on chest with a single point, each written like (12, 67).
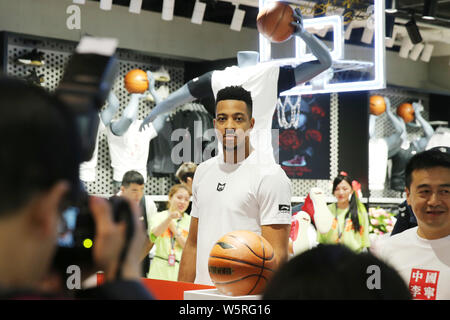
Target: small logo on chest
(220, 186)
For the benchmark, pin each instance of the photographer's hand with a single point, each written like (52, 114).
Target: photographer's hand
(110, 240)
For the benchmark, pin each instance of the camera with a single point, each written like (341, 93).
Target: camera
(83, 90)
(76, 232)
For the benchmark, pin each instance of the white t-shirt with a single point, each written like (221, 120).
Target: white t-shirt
(130, 151)
(423, 264)
(261, 80)
(230, 197)
(378, 159)
(87, 168)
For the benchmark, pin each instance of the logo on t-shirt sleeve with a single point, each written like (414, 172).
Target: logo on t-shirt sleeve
(284, 208)
(423, 284)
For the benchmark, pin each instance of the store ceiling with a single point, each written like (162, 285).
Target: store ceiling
(222, 11)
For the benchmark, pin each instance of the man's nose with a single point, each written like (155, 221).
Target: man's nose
(433, 200)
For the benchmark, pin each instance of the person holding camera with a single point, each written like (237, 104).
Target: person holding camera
(39, 165)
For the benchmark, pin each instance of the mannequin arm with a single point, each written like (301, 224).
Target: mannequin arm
(111, 108)
(121, 126)
(394, 141)
(427, 128)
(175, 99)
(151, 87)
(396, 122)
(310, 69)
(372, 120)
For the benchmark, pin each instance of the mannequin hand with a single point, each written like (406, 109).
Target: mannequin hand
(388, 104)
(146, 122)
(418, 107)
(298, 23)
(151, 80)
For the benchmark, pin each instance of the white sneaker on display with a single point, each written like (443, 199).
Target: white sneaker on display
(322, 215)
(301, 242)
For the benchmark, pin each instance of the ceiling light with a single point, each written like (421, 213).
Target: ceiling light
(238, 19)
(426, 53)
(79, 1)
(367, 35)
(405, 47)
(199, 12)
(135, 6)
(105, 4)
(429, 9)
(167, 10)
(416, 51)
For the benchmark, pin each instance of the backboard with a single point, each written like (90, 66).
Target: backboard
(354, 32)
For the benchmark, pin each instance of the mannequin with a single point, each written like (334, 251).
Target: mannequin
(379, 149)
(87, 168)
(264, 80)
(128, 146)
(401, 151)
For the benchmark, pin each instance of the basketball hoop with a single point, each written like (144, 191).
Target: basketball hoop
(295, 112)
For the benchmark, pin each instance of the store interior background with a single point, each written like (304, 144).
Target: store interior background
(188, 50)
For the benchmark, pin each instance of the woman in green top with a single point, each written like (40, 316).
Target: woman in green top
(351, 223)
(169, 234)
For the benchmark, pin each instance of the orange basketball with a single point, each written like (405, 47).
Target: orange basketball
(406, 112)
(241, 263)
(274, 22)
(136, 81)
(377, 105)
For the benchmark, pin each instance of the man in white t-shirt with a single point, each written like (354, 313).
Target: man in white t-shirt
(422, 254)
(233, 192)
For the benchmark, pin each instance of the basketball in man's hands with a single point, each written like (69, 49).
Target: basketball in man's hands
(274, 21)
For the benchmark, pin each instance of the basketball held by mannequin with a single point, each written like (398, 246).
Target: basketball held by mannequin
(274, 22)
(377, 105)
(406, 112)
(241, 263)
(136, 81)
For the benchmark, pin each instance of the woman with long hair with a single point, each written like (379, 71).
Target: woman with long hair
(351, 222)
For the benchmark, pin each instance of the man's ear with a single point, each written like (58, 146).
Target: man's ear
(44, 210)
(252, 123)
(407, 195)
